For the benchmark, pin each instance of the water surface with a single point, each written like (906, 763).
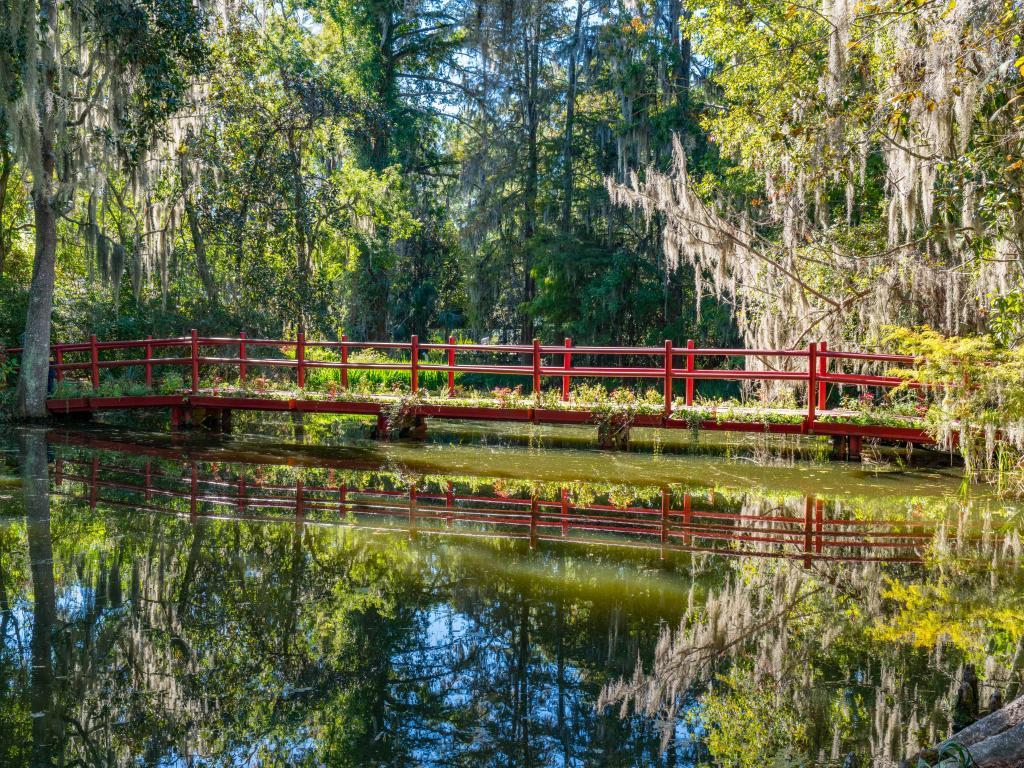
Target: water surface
(283, 599)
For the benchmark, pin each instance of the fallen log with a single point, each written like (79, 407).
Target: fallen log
(1005, 750)
(994, 724)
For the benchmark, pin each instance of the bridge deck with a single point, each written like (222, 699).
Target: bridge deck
(781, 421)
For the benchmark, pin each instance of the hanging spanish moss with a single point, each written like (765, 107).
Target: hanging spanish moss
(939, 265)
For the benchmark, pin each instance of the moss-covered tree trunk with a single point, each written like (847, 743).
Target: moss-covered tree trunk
(35, 358)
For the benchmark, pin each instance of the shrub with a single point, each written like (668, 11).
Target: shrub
(68, 389)
(172, 383)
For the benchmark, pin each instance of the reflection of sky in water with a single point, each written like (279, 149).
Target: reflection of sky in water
(442, 660)
(17, 637)
(75, 601)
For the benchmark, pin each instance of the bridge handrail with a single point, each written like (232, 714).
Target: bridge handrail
(815, 372)
(815, 532)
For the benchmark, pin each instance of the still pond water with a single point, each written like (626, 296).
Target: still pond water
(293, 596)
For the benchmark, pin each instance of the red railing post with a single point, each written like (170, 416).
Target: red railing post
(566, 363)
(819, 524)
(300, 358)
(812, 380)
(665, 506)
(687, 517)
(451, 366)
(536, 366)
(534, 509)
(668, 377)
(242, 356)
(414, 363)
(195, 360)
(149, 361)
(342, 498)
(565, 511)
(690, 368)
(344, 361)
(823, 371)
(94, 360)
(58, 353)
(808, 518)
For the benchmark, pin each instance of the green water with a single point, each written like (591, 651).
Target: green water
(308, 597)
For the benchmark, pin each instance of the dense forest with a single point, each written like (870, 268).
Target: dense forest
(762, 172)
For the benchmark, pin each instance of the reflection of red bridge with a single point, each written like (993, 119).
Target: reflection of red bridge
(681, 521)
(815, 367)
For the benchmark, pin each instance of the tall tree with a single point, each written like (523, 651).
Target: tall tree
(83, 87)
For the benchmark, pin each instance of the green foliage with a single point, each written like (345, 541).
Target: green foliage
(69, 389)
(749, 726)
(1006, 321)
(171, 383)
(978, 387)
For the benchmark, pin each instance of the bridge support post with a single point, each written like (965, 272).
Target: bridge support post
(855, 447)
(409, 427)
(181, 417)
(613, 434)
(840, 447)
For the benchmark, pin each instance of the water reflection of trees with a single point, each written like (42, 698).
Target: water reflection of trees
(154, 637)
(817, 663)
(181, 636)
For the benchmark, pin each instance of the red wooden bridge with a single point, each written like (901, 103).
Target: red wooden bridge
(271, 375)
(164, 481)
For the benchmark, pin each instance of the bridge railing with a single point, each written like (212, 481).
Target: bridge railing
(695, 524)
(816, 366)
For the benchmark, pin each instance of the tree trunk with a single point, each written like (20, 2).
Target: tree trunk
(679, 80)
(301, 228)
(199, 244)
(531, 51)
(570, 115)
(30, 398)
(5, 179)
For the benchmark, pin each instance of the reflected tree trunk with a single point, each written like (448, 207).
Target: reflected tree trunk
(35, 484)
(194, 553)
(523, 694)
(295, 592)
(563, 733)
